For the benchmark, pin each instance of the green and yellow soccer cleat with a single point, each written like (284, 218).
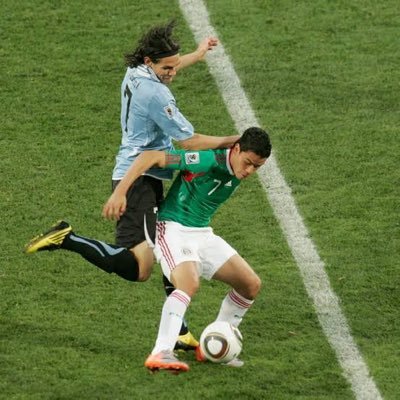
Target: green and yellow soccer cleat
(50, 240)
(186, 342)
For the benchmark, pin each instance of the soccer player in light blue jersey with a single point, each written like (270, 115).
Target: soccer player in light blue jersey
(186, 246)
(150, 120)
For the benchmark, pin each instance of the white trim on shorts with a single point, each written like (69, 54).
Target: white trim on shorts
(176, 243)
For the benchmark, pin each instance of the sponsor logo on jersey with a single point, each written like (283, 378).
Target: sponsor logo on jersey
(192, 158)
(169, 111)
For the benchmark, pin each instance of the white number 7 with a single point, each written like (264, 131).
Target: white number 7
(218, 183)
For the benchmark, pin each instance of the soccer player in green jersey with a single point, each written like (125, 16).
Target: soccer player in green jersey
(186, 246)
(150, 119)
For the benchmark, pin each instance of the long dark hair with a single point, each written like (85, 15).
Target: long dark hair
(156, 43)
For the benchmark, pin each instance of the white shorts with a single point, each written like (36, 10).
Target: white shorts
(176, 243)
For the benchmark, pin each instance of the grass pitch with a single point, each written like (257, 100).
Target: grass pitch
(322, 77)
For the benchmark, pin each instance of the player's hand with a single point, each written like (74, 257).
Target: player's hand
(205, 45)
(114, 207)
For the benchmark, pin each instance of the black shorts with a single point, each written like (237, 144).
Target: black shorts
(143, 198)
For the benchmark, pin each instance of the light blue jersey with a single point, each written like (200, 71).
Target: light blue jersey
(149, 120)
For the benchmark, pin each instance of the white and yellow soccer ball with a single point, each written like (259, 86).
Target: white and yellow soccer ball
(221, 342)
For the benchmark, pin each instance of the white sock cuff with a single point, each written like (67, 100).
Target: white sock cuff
(181, 296)
(239, 300)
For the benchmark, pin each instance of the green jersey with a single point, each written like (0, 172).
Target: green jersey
(206, 180)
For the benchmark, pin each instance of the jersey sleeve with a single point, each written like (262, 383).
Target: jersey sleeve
(193, 161)
(165, 113)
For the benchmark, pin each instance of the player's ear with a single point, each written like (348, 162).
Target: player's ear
(236, 148)
(147, 60)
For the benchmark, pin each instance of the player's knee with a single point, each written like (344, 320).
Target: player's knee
(144, 275)
(190, 287)
(185, 277)
(253, 287)
(145, 258)
(145, 270)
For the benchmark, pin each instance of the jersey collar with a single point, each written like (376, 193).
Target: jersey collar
(146, 72)
(228, 163)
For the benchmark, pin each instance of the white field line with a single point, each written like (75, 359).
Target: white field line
(311, 266)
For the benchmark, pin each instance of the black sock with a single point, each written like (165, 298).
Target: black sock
(169, 288)
(108, 257)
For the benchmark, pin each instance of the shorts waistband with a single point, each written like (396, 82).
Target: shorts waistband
(187, 228)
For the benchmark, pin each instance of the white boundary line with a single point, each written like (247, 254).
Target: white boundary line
(311, 266)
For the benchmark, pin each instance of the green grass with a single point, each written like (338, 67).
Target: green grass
(331, 100)
(322, 77)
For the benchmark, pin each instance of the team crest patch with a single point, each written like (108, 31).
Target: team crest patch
(169, 111)
(192, 158)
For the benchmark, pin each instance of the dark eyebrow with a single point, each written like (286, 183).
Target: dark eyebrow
(253, 164)
(171, 66)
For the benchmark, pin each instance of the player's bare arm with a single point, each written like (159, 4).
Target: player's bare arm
(116, 204)
(205, 45)
(205, 142)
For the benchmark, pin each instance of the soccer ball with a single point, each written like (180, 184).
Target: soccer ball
(221, 342)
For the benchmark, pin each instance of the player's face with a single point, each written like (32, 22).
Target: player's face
(166, 67)
(245, 163)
